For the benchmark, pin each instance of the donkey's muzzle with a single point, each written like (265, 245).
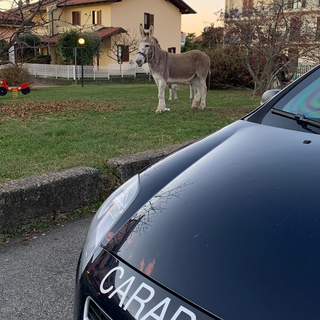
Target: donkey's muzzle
(141, 59)
(139, 62)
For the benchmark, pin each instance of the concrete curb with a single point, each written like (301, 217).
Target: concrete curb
(46, 196)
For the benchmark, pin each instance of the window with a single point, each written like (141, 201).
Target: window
(96, 17)
(293, 55)
(148, 20)
(172, 50)
(247, 4)
(297, 4)
(76, 17)
(295, 29)
(124, 50)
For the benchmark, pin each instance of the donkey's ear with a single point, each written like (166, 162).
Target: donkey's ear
(141, 30)
(151, 31)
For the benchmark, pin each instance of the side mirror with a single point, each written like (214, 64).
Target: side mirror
(268, 95)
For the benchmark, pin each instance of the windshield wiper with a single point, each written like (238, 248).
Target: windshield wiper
(300, 118)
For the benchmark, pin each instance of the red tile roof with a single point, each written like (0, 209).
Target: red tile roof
(107, 32)
(9, 17)
(198, 38)
(67, 3)
(103, 33)
(50, 39)
(182, 6)
(6, 34)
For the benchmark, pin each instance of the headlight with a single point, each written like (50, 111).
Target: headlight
(107, 215)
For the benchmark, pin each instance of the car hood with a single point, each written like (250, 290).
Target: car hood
(236, 232)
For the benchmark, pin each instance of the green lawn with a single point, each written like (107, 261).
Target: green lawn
(60, 127)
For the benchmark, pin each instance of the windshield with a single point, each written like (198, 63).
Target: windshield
(296, 108)
(306, 102)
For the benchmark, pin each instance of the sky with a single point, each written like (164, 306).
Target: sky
(206, 13)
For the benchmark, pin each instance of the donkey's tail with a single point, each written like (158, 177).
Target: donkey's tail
(208, 80)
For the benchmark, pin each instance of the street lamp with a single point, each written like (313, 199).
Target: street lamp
(81, 42)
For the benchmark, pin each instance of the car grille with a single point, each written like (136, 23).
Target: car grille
(94, 312)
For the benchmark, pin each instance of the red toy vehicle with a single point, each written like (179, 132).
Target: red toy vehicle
(24, 88)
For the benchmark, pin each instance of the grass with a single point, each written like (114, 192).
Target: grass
(60, 127)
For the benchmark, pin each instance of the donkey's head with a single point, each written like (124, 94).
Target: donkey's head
(145, 47)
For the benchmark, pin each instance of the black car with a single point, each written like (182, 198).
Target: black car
(225, 228)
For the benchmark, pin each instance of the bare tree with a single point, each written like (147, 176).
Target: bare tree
(122, 45)
(273, 36)
(23, 18)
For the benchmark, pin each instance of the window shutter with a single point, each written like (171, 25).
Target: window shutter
(151, 20)
(76, 17)
(146, 20)
(125, 53)
(99, 17)
(93, 14)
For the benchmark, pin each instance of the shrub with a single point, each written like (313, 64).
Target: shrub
(41, 59)
(228, 69)
(27, 44)
(69, 40)
(15, 75)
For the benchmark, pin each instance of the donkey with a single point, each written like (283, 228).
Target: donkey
(173, 91)
(189, 67)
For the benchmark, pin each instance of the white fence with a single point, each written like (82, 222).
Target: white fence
(89, 72)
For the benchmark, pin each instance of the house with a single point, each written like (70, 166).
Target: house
(110, 18)
(9, 24)
(295, 33)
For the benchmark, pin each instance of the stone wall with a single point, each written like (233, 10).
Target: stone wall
(46, 196)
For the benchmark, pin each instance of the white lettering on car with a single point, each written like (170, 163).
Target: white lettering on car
(164, 304)
(184, 310)
(104, 291)
(123, 291)
(138, 299)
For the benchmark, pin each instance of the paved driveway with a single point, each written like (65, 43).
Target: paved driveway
(37, 276)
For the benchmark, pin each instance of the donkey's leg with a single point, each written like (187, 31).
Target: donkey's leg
(203, 93)
(175, 93)
(191, 92)
(170, 92)
(161, 95)
(195, 83)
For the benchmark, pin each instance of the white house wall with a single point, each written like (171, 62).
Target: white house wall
(167, 20)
